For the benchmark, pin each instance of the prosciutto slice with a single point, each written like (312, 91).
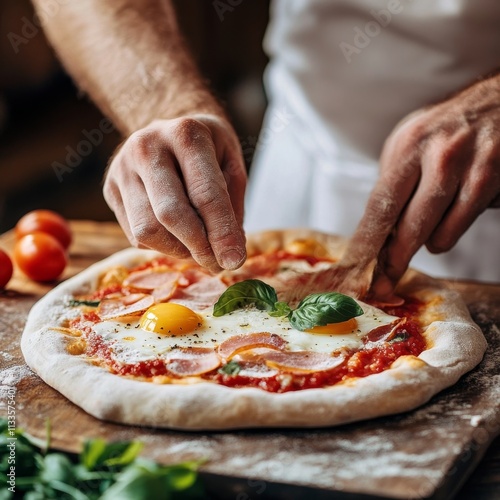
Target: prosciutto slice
(247, 341)
(200, 295)
(127, 305)
(151, 279)
(384, 333)
(302, 361)
(187, 362)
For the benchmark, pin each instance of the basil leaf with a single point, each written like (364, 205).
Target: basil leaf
(319, 309)
(244, 293)
(280, 309)
(231, 368)
(90, 303)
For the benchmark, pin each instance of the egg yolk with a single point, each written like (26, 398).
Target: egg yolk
(342, 327)
(170, 319)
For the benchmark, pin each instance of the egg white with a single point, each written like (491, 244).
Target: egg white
(131, 344)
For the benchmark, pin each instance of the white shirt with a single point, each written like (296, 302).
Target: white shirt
(343, 73)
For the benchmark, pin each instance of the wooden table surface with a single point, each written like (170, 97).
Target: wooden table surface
(94, 241)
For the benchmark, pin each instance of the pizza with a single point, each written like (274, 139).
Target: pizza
(142, 338)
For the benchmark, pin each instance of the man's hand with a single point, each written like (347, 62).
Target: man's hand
(177, 183)
(440, 169)
(177, 186)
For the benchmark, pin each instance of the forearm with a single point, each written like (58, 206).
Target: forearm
(129, 56)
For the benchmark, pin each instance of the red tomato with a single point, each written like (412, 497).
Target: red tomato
(45, 221)
(40, 256)
(5, 269)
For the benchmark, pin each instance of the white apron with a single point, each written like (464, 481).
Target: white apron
(342, 74)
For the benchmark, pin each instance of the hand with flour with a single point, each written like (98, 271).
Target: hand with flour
(177, 186)
(439, 170)
(177, 182)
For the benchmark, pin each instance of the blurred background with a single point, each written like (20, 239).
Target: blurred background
(43, 116)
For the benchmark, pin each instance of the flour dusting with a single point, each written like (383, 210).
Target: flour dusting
(6, 356)
(9, 378)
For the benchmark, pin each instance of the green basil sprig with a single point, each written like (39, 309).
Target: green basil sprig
(280, 309)
(317, 309)
(245, 293)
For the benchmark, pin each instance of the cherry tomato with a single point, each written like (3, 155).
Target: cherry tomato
(45, 221)
(40, 256)
(5, 269)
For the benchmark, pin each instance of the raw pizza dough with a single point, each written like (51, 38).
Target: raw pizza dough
(457, 346)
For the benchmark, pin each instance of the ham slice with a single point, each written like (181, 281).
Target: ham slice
(164, 292)
(192, 275)
(200, 295)
(261, 265)
(256, 370)
(128, 305)
(186, 362)
(302, 361)
(383, 333)
(244, 342)
(151, 279)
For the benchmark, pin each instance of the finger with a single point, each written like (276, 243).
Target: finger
(147, 232)
(137, 219)
(166, 195)
(382, 287)
(208, 193)
(399, 177)
(114, 200)
(479, 190)
(233, 169)
(171, 207)
(442, 167)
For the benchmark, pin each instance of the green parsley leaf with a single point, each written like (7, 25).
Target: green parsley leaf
(230, 368)
(78, 302)
(105, 471)
(57, 467)
(96, 452)
(144, 480)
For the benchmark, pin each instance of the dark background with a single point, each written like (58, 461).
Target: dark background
(43, 115)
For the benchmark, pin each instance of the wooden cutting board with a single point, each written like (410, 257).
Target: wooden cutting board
(427, 453)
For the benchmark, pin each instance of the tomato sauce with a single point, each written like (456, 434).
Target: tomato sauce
(381, 348)
(408, 340)
(104, 292)
(85, 322)
(100, 350)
